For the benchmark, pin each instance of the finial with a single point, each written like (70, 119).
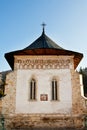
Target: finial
(43, 25)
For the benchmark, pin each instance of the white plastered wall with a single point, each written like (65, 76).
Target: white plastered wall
(43, 83)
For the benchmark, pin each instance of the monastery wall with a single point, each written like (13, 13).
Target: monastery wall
(21, 113)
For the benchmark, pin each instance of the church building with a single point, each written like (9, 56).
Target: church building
(43, 90)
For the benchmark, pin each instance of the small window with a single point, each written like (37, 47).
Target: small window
(54, 90)
(32, 89)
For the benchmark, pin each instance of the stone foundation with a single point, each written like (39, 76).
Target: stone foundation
(44, 121)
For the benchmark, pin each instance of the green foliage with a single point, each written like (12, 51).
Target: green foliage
(1, 93)
(84, 73)
(2, 84)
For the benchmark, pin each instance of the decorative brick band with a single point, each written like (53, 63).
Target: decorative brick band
(41, 63)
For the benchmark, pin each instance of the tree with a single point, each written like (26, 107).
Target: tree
(84, 74)
(2, 83)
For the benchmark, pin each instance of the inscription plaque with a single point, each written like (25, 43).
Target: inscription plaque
(44, 97)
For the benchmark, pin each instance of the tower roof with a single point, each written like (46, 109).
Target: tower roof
(43, 42)
(43, 46)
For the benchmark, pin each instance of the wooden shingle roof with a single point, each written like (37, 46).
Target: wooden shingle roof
(43, 46)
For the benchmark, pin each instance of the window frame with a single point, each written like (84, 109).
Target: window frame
(54, 90)
(32, 90)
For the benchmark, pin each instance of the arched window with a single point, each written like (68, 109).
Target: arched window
(54, 89)
(33, 89)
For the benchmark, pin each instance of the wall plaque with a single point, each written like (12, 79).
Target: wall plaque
(44, 97)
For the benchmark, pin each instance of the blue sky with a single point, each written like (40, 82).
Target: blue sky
(20, 25)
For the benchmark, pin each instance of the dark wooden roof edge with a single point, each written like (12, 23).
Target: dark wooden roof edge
(18, 52)
(43, 51)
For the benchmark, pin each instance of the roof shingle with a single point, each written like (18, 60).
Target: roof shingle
(43, 42)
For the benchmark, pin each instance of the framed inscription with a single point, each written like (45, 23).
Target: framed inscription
(44, 97)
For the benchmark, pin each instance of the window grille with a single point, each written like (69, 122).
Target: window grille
(54, 90)
(32, 89)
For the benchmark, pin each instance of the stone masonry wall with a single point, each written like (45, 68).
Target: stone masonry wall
(8, 102)
(43, 121)
(78, 103)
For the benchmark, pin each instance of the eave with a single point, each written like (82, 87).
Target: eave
(43, 51)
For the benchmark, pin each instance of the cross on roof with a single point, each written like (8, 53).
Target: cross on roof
(43, 25)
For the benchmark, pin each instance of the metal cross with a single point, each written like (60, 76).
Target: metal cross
(43, 25)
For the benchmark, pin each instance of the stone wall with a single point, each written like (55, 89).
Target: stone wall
(8, 102)
(78, 102)
(44, 121)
